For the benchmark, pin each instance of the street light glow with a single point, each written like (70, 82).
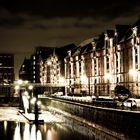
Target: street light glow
(20, 81)
(33, 100)
(49, 63)
(38, 103)
(17, 87)
(107, 76)
(26, 93)
(133, 72)
(84, 79)
(61, 80)
(30, 87)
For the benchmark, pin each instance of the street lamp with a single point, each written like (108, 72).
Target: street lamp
(19, 82)
(30, 88)
(18, 90)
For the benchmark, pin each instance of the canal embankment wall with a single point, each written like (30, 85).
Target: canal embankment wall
(125, 122)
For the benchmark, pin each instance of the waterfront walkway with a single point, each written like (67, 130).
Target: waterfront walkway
(12, 114)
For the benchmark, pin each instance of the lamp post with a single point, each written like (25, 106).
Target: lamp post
(18, 89)
(36, 105)
(30, 88)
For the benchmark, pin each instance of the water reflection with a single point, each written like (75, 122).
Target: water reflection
(33, 133)
(17, 135)
(25, 131)
(5, 127)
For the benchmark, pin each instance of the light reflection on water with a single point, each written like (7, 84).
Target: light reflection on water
(24, 131)
(17, 135)
(5, 126)
(57, 131)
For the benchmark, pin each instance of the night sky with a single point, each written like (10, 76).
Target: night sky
(25, 24)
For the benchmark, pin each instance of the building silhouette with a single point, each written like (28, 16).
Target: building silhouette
(95, 66)
(25, 70)
(6, 73)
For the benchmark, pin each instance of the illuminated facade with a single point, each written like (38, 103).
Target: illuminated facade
(37, 63)
(52, 68)
(97, 66)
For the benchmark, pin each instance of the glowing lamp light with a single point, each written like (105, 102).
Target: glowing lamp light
(62, 80)
(26, 81)
(20, 81)
(84, 79)
(107, 76)
(39, 103)
(49, 63)
(17, 87)
(30, 87)
(25, 93)
(33, 100)
(133, 72)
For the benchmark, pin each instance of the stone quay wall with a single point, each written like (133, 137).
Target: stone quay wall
(125, 122)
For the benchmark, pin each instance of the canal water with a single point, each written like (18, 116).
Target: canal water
(10, 130)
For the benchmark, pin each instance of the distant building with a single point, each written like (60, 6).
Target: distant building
(6, 72)
(25, 70)
(40, 55)
(52, 69)
(46, 65)
(6, 68)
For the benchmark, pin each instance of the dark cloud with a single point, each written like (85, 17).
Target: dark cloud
(13, 11)
(63, 8)
(25, 24)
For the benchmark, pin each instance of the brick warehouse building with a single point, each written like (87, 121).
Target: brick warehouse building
(97, 66)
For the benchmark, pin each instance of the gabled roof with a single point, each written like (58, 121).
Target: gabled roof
(85, 42)
(87, 48)
(63, 51)
(76, 51)
(110, 33)
(123, 32)
(83, 47)
(43, 52)
(100, 41)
